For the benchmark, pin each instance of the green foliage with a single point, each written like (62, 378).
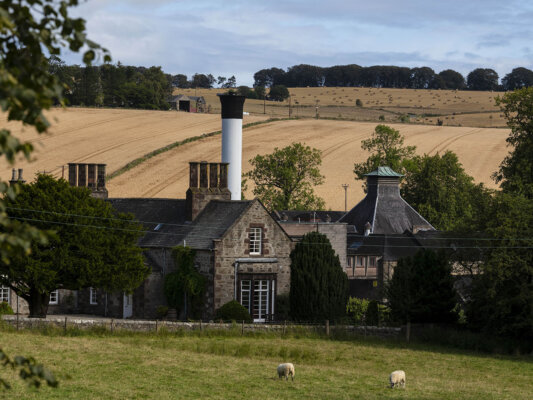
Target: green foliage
(516, 171)
(372, 313)
(233, 311)
(482, 79)
(28, 31)
(442, 192)
(356, 310)
(5, 309)
(284, 179)
(278, 93)
(386, 149)
(502, 295)
(381, 118)
(161, 311)
(421, 289)
(319, 286)
(404, 118)
(358, 103)
(28, 370)
(283, 307)
(185, 287)
(90, 244)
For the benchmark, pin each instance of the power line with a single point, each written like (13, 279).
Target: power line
(213, 226)
(186, 235)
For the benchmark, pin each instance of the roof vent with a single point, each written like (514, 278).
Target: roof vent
(368, 227)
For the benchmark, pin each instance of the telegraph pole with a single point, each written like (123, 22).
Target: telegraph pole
(345, 187)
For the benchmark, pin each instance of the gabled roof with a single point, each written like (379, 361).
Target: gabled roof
(183, 97)
(213, 222)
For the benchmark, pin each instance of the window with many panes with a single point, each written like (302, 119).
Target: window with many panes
(362, 266)
(93, 299)
(54, 297)
(255, 240)
(4, 294)
(257, 293)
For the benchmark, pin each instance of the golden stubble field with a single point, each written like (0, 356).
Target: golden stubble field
(116, 137)
(110, 136)
(479, 149)
(454, 108)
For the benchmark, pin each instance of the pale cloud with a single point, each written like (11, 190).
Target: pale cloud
(240, 37)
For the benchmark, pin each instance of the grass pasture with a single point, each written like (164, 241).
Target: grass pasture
(168, 366)
(423, 106)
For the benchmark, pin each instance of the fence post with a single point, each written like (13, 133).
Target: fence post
(65, 326)
(112, 325)
(408, 332)
(327, 327)
(201, 327)
(284, 327)
(156, 326)
(242, 328)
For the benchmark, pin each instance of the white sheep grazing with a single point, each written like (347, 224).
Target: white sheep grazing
(286, 370)
(397, 378)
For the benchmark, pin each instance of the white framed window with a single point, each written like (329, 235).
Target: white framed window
(246, 286)
(54, 297)
(4, 294)
(93, 299)
(255, 240)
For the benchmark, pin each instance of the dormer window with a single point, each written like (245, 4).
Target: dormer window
(255, 241)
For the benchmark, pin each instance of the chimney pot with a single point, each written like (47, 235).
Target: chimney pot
(91, 175)
(193, 174)
(13, 175)
(203, 174)
(72, 174)
(100, 183)
(82, 175)
(223, 184)
(213, 175)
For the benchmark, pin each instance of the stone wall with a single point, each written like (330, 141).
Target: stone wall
(84, 323)
(235, 244)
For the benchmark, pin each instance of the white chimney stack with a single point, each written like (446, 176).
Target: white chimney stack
(232, 106)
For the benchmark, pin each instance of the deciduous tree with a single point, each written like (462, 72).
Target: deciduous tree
(90, 245)
(442, 192)
(421, 289)
(386, 149)
(284, 180)
(516, 171)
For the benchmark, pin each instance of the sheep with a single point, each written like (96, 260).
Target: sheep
(286, 370)
(397, 378)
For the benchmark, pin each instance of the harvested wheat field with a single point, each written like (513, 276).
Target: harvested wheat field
(110, 136)
(421, 106)
(479, 149)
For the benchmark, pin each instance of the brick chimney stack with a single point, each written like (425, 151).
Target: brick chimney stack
(14, 178)
(88, 175)
(207, 181)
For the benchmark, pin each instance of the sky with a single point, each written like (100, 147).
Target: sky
(241, 37)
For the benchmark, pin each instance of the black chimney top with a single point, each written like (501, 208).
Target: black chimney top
(232, 105)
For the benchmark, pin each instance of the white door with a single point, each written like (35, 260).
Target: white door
(128, 306)
(261, 300)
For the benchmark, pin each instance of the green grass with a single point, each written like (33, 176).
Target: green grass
(100, 365)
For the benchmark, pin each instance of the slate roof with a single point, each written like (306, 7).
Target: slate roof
(307, 216)
(187, 98)
(384, 208)
(391, 247)
(169, 214)
(214, 220)
(166, 224)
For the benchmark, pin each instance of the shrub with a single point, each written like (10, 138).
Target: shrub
(358, 103)
(161, 311)
(233, 311)
(282, 307)
(6, 309)
(356, 309)
(404, 118)
(372, 313)
(382, 118)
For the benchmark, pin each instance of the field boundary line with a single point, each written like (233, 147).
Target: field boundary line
(134, 163)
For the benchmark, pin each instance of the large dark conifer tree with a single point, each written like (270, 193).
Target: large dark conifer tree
(319, 286)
